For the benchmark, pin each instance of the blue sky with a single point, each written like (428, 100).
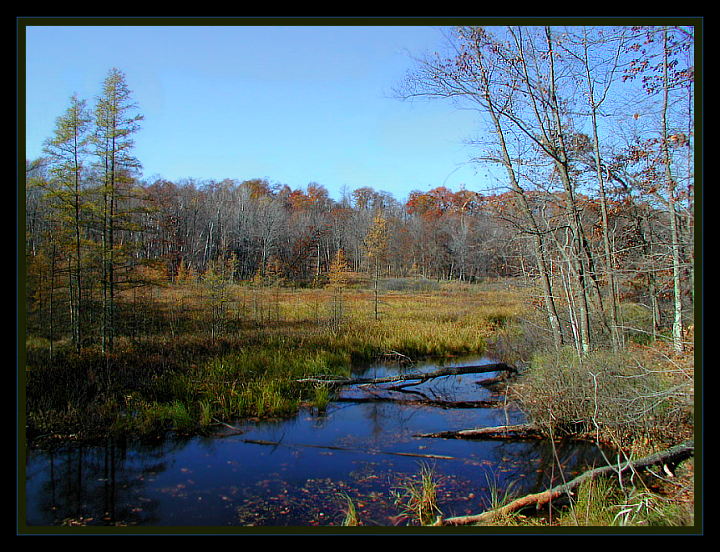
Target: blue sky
(291, 104)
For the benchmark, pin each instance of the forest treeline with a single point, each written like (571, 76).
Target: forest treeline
(590, 132)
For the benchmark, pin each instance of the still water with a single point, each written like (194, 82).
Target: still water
(302, 471)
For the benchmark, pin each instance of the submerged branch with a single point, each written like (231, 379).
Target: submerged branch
(347, 449)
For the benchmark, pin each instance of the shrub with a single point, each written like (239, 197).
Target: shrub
(612, 393)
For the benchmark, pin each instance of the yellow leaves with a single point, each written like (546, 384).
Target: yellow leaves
(339, 273)
(376, 240)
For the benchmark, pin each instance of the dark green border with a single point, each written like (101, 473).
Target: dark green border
(23, 22)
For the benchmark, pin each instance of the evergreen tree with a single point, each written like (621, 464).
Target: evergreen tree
(338, 275)
(67, 149)
(376, 245)
(116, 121)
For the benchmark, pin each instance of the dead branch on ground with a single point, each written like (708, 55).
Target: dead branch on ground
(668, 459)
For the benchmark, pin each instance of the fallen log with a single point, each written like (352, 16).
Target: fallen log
(668, 459)
(497, 381)
(424, 402)
(509, 432)
(450, 371)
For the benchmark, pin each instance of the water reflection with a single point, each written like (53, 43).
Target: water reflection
(296, 472)
(94, 485)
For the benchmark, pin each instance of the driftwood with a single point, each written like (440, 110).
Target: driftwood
(668, 459)
(422, 377)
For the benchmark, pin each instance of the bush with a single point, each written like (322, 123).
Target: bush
(612, 393)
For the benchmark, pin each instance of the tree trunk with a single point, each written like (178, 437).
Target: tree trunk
(579, 253)
(615, 336)
(538, 240)
(677, 327)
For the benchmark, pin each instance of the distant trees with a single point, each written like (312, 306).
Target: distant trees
(593, 132)
(438, 234)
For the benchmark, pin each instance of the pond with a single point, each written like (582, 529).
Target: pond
(302, 471)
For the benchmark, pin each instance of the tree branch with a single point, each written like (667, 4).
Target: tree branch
(668, 458)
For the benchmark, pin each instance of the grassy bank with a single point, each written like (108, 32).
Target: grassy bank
(191, 357)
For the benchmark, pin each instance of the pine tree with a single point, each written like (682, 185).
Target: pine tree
(115, 123)
(339, 273)
(376, 245)
(215, 287)
(67, 149)
(338, 277)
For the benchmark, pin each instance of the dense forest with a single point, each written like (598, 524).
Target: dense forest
(592, 130)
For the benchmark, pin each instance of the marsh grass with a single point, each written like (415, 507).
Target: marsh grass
(417, 497)
(602, 502)
(499, 497)
(182, 364)
(350, 514)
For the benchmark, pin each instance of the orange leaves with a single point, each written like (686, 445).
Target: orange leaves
(679, 140)
(440, 201)
(315, 196)
(258, 188)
